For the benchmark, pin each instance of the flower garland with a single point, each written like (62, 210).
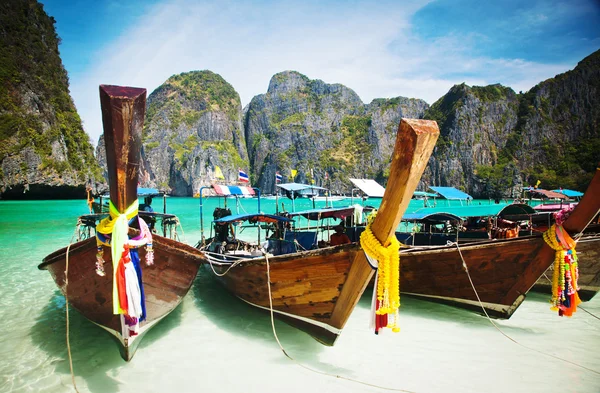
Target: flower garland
(387, 279)
(566, 271)
(128, 290)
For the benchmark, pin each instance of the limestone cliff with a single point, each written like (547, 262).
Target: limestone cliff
(193, 124)
(315, 127)
(44, 152)
(493, 141)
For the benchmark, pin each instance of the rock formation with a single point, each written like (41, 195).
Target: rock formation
(317, 128)
(44, 152)
(193, 124)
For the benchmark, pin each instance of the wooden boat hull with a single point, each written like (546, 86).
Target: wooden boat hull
(306, 287)
(165, 283)
(502, 272)
(588, 253)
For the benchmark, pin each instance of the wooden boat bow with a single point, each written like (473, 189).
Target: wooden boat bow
(414, 144)
(170, 266)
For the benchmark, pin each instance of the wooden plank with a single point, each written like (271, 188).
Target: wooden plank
(415, 141)
(123, 111)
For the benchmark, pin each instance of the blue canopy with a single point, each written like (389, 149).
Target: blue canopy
(298, 187)
(256, 217)
(425, 194)
(316, 214)
(451, 193)
(464, 212)
(429, 216)
(569, 193)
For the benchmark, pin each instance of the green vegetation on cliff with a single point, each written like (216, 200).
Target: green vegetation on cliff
(352, 151)
(209, 88)
(36, 109)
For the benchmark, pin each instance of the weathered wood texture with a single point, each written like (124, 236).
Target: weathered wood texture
(123, 111)
(305, 284)
(501, 270)
(165, 283)
(414, 144)
(325, 285)
(175, 264)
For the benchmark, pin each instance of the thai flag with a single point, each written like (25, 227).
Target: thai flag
(278, 177)
(243, 176)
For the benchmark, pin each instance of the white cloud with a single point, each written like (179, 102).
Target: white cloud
(368, 47)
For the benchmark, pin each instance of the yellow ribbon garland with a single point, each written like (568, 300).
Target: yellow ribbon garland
(117, 225)
(388, 282)
(558, 275)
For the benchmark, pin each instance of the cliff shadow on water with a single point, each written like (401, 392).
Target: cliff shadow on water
(237, 317)
(94, 351)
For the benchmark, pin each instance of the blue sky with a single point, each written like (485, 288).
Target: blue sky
(416, 48)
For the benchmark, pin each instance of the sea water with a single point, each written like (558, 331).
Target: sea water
(214, 342)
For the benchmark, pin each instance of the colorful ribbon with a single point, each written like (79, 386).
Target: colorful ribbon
(117, 225)
(566, 271)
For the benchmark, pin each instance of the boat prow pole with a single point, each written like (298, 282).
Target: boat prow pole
(123, 111)
(578, 220)
(415, 141)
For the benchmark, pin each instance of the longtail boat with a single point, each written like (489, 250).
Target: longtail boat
(502, 270)
(88, 285)
(316, 290)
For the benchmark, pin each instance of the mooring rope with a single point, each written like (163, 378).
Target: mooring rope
(67, 310)
(231, 266)
(302, 365)
(498, 328)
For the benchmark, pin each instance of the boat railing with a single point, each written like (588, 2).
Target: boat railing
(167, 224)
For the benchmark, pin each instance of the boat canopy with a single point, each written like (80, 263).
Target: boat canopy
(554, 207)
(223, 190)
(425, 194)
(257, 217)
(431, 217)
(569, 193)
(298, 187)
(451, 193)
(545, 193)
(319, 214)
(298, 190)
(463, 212)
(369, 187)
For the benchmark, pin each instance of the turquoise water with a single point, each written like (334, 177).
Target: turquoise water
(215, 343)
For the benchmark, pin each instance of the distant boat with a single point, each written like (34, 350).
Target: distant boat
(502, 270)
(312, 192)
(166, 281)
(316, 290)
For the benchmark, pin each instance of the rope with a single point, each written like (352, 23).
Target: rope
(498, 328)
(67, 311)
(231, 266)
(181, 227)
(302, 365)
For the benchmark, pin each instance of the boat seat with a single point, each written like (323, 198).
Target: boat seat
(354, 233)
(307, 240)
(281, 247)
